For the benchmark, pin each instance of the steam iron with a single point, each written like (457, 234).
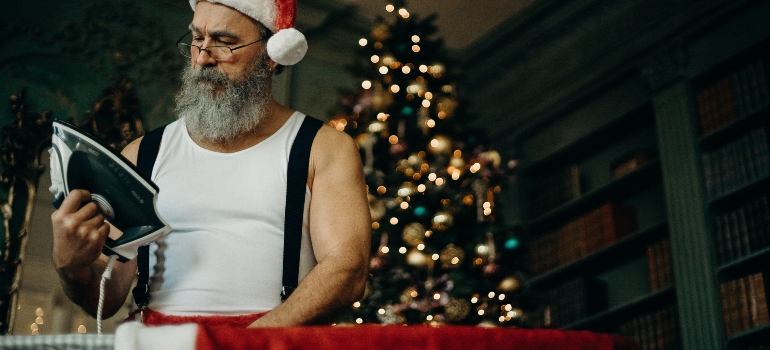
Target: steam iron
(125, 197)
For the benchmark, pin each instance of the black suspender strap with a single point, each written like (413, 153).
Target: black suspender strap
(145, 161)
(299, 160)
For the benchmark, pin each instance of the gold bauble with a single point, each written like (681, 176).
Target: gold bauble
(446, 107)
(417, 258)
(457, 309)
(408, 295)
(442, 220)
(451, 256)
(413, 234)
(440, 144)
(380, 32)
(493, 157)
(509, 284)
(376, 208)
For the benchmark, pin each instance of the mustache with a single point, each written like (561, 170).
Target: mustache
(206, 75)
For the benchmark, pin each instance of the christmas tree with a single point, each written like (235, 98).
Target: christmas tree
(441, 252)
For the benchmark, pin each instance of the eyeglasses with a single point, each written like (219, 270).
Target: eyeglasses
(217, 52)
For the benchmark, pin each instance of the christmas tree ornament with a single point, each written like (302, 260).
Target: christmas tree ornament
(287, 46)
(440, 145)
(512, 243)
(492, 268)
(456, 309)
(389, 316)
(407, 189)
(413, 234)
(451, 256)
(381, 98)
(380, 258)
(442, 220)
(408, 295)
(380, 32)
(445, 107)
(416, 258)
(376, 208)
(493, 157)
(509, 284)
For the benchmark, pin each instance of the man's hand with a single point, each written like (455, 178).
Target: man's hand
(79, 232)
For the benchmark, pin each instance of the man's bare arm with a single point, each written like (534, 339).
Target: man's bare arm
(340, 229)
(79, 232)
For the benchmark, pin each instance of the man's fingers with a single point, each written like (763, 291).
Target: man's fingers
(74, 201)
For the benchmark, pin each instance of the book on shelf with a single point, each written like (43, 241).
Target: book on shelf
(631, 161)
(739, 162)
(743, 230)
(582, 236)
(744, 303)
(570, 302)
(556, 189)
(659, 265)
(654, 330)
(738, 94)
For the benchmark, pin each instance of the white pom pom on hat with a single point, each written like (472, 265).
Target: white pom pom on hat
(287, 46)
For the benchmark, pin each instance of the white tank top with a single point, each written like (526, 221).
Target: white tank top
(225, 253)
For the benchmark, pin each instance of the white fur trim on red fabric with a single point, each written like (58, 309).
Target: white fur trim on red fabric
(287, 47)
(264, 11)
(134, 336)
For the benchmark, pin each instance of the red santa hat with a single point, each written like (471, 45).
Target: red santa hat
(287, 46)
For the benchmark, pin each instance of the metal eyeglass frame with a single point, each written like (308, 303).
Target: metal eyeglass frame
(186, 49)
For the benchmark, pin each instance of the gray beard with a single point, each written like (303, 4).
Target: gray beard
(222, 116)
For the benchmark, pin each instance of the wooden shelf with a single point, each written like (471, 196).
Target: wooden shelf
(646, 174)
(606, 320)
(734, 129)
(620, 251)
(758, 336)
(589, 144)
(740, 194)
(744, 266)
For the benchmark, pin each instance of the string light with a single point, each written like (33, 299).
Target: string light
(359, 320)
(375, 58)
(406, 69)
(389, 8)
(421, 188)
(394, 221)
(434, 257)
(402, 250)
(383, 70)
(366, 84)
(439, 181)
(420, 246)
(423, 68)
(428, 95)
(394, 88)
(403, 12)
(430, 123)
(425, 103)
(415, 48)
(384, 250)
(363, 42)
(357, 304)
(415, 39)
(491, 294)
(382, 117)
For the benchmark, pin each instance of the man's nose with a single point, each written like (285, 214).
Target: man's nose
(203, 59)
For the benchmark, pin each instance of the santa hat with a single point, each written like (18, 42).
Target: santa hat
(287, 46)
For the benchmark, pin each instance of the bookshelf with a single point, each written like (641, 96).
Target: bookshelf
(735, 160)
(594, 280)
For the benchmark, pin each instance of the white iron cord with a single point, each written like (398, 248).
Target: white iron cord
(105, 276)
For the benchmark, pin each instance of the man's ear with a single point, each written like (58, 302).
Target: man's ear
(272, 64)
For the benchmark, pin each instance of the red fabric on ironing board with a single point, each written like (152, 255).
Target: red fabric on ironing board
(405, 337)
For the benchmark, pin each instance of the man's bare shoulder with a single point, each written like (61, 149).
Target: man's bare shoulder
(131, 151)
(333, 143)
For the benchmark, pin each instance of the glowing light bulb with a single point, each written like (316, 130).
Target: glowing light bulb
(363, 42)
(403, 12)
(394, 88)
(425, 103)
(415, 39)
(383, 70)
(415, 48)
(375, 58)
(366, 84)
(406, 69)
(423, 68)
(389, 8)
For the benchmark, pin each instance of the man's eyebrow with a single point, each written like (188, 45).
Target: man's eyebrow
(216, 34)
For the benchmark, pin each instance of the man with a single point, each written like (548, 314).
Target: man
(221, 169)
